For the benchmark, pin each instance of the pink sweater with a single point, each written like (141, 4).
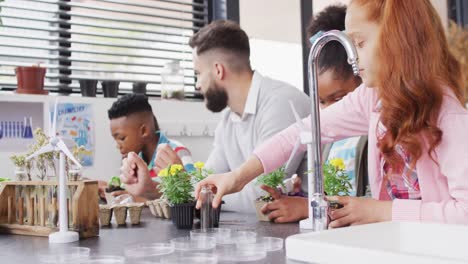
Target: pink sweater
(444, 187)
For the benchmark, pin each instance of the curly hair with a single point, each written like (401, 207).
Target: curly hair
(131, 104)
(333, 55)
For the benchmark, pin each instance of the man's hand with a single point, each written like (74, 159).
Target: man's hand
(165, 156)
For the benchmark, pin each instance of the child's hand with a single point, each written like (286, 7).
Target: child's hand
(358, 211)
(135, 175)
(165, 156)
(102, 185)
(285, 209)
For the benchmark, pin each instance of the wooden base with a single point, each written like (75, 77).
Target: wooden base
(83, 209)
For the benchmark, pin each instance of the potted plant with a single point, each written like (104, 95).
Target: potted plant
(139, 88)
(199, 174)
(88, 87)
(177, 189)
(336, 180)
(110, 88)
(113, 185)
(21, 167)
(30, 79)
(274, 180)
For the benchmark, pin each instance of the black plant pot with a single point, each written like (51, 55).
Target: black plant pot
(139, 88)
(88, 88)
(110, 88)
(217, 213)
(182, 215)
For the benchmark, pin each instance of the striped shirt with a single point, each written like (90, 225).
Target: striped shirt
(181, 151)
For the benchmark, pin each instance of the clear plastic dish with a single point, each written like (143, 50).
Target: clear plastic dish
(236, 254)
(148, 251)
(263, 243)
(64, 255)
(256, 246)
(222, 235)
(192, 258)
(271, 243)
(108, 259)
(241, 237)
(194, 244)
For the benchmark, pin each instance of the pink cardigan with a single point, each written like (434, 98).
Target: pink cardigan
(444, 187)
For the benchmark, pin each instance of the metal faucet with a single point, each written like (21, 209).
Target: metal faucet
(318, 211)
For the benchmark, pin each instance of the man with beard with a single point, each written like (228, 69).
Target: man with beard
(254, 107)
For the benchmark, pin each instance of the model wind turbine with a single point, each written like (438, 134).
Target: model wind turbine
(57, 144)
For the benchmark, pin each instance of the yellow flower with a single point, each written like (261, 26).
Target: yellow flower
(163, 173)
(175, 169)
(199, 165)
(338, 163)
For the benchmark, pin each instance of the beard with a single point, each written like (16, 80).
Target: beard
(216, 98)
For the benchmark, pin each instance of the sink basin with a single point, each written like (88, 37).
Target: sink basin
(387, 242)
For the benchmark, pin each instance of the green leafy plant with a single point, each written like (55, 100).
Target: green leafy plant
(273, 179)
(336, 179)
(176, 185)
(114, 181)
(200, 172)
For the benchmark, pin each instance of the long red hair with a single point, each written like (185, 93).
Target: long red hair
(414, 68)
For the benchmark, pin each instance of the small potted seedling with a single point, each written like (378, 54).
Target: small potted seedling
(273, 180)
(336, 180)
(177, 189)
(113, 186)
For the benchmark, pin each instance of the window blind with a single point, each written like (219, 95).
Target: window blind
(123, 40)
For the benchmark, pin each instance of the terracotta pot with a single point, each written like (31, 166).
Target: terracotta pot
(182, 215)
(261, 216)
(30, 80)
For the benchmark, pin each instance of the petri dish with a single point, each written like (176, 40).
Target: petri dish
(64, 255)
(236, 254)
(222, 235)
(105, 259)
(148, 251)
(263, 243)
(194, 244)
(244, 237)
(271, 243)
(192, 258)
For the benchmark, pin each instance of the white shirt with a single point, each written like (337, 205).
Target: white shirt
(266, 112)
